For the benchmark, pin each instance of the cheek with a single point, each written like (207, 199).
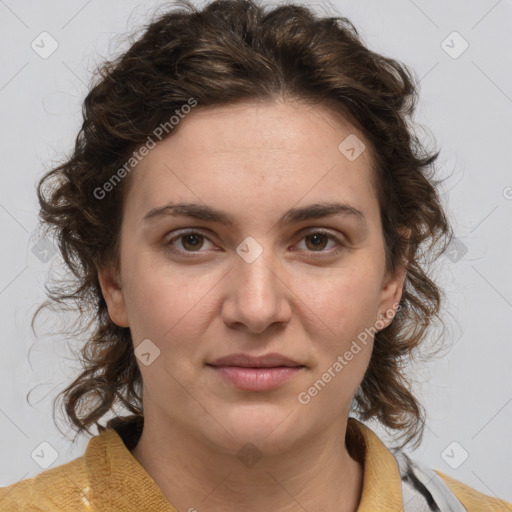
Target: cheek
(170, 306)
(346, 301)
(161, 307)
(171, 311)
(348, 309)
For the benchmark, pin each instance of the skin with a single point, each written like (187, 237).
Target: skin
(255, 161)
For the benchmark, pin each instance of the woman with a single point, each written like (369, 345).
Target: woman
(245, 213)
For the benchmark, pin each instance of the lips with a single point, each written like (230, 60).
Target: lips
(263, 373)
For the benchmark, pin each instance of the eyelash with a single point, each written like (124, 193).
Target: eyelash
(192, 254)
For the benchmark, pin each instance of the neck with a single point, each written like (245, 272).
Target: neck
(318, 474)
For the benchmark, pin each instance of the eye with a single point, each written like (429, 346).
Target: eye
(315, 242)
(191, 241)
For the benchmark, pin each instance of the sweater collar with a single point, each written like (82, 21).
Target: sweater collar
(132, 489)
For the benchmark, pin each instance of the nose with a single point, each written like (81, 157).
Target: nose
(258, 295)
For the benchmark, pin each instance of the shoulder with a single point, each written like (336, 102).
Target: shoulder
(473, 500)
(105, 474)
(65, 487)
(58, 489)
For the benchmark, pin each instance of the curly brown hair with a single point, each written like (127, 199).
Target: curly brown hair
(233, 51)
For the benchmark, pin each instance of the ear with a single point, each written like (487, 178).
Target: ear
(392, 289)
(113, 295)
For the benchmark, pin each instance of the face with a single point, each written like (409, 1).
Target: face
(252, 296)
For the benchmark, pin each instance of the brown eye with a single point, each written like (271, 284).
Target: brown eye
(318, 241)
(191, 241)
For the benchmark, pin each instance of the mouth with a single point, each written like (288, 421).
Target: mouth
(262, 373)
(272, 360)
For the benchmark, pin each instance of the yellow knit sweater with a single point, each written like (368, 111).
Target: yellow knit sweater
(107, 478)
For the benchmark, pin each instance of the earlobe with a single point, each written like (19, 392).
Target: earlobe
(113, 295)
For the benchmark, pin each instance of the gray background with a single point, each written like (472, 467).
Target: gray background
(466, 103)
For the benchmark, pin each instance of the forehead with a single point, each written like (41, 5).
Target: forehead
(261, 127)
(261, 155)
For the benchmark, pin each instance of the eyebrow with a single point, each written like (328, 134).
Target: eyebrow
(208, 213)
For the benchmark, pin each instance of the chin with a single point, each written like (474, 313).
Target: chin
(271, 428)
